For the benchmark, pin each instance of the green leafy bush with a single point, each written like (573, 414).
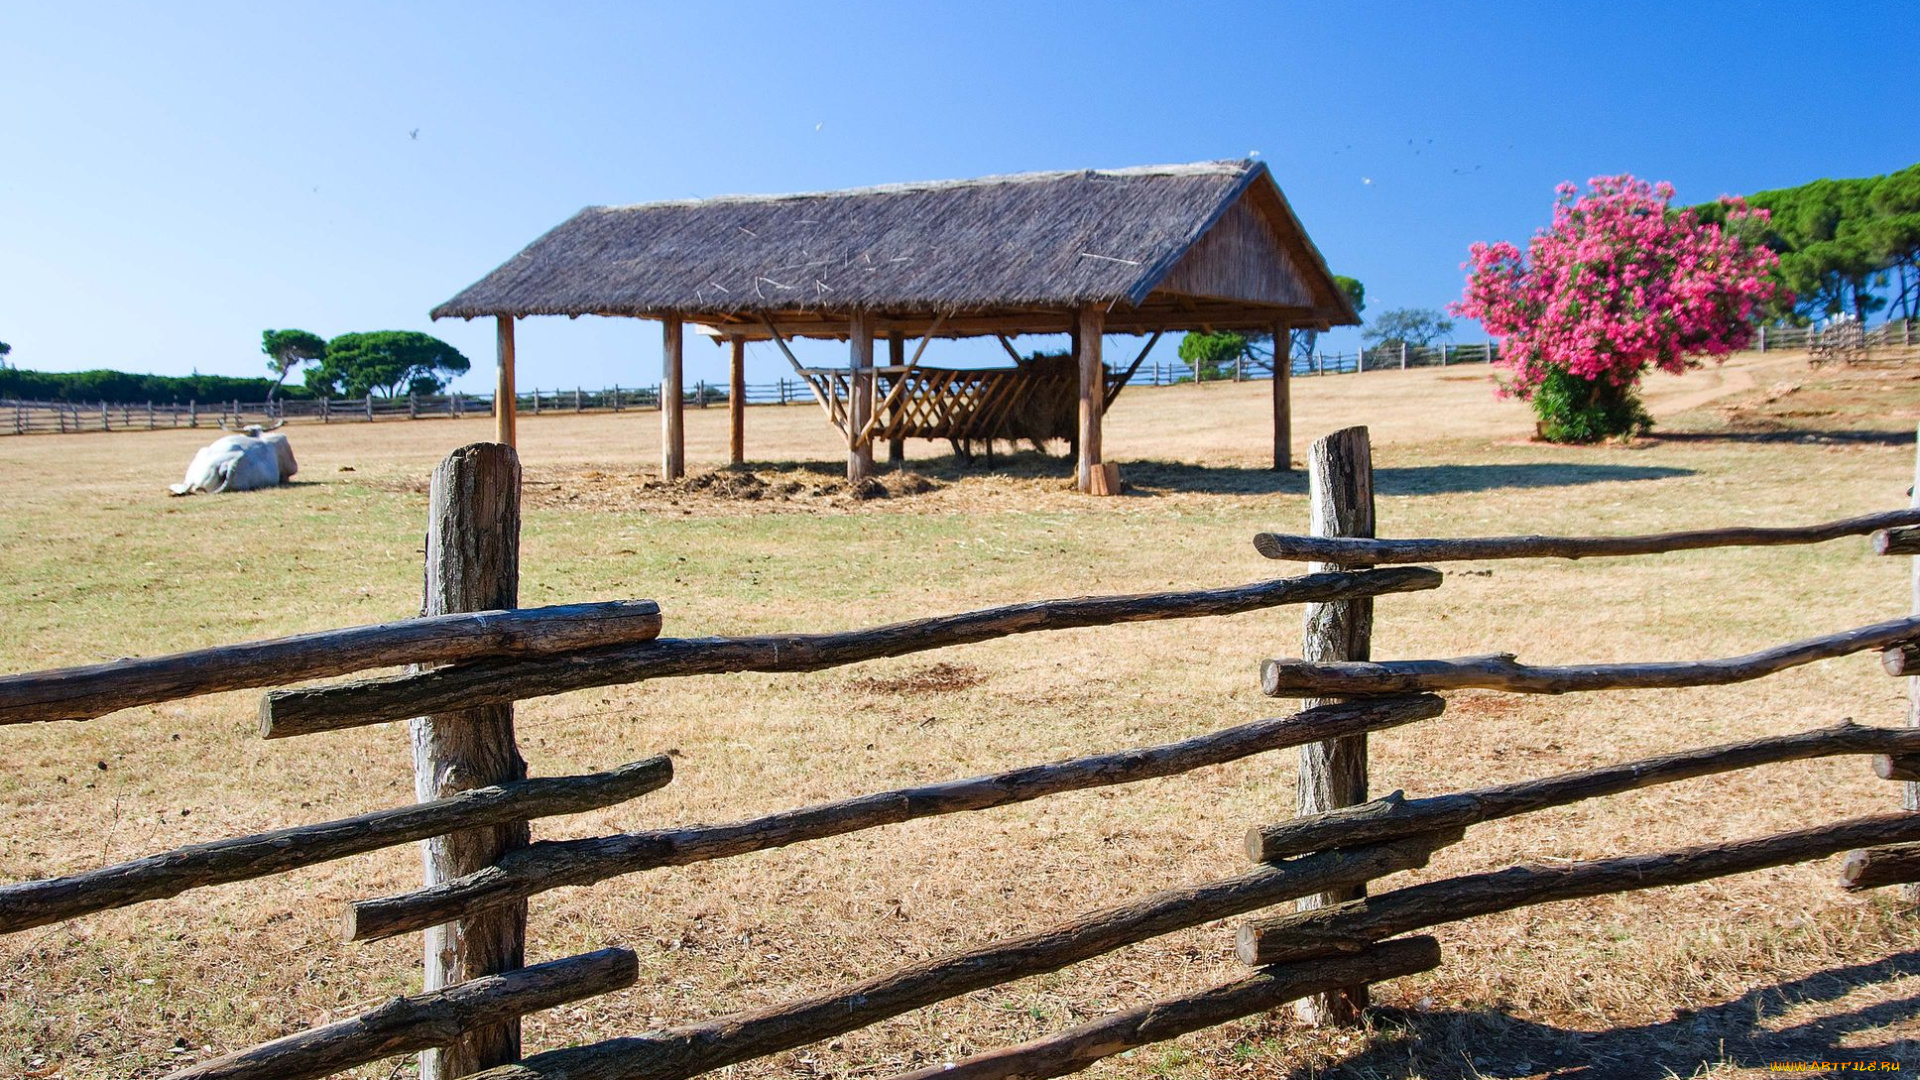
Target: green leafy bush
(1576, 410)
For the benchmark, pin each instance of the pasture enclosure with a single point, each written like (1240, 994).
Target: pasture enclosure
(473, 789)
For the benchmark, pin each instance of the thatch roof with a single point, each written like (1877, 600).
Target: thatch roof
(998, 249)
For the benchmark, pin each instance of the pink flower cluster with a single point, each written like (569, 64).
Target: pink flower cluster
(1619, 283)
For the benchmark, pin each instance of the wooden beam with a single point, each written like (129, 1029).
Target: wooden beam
(375, 700)
(82, 693)
(28, 904)
(737, 402)
(1093, 393)
(673, 431)
(1011, 351)
(554, 864)
(1380, 552)
(1353, 926)
(692, 1049)
(430, 1019)
(1282, 398)
(896, 357)
(503, 399)
(473, 564)
(1269, 988)
(860, 396)
(1500, 671)
(1875, 868)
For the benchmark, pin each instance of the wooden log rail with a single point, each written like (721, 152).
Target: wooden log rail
(693, 1049)
(82, 693)
(552, 864)
(1292, 678)
(328, 708)
(431, 1019)
(1874, 868)
(1269, 988)
(1352, 926)
(1396, 816)
(37, 903)
(1371, 552)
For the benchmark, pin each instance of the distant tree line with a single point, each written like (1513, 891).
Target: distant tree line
(385, 363)
(1846, 247)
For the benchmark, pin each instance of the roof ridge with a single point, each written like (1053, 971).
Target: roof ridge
(1220, 167)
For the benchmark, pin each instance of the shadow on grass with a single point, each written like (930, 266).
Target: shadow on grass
(1150, 478)
(1788, 435)
(1743, 1033)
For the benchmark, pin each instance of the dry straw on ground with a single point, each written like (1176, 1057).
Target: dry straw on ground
(1716, 978)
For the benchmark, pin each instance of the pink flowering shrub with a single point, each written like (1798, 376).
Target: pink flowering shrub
(1619, 283)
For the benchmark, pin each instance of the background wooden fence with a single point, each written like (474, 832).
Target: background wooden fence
(479, 654)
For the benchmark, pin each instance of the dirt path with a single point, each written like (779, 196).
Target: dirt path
(1670, 395)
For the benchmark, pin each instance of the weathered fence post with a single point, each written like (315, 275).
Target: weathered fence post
(576, 399)
(1334, 773)
(413, 405)
(473, 564)
(1360, 361)
(104, 424)
(369, 406)
(1403, 356)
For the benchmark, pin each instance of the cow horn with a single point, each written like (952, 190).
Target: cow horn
(277, 424)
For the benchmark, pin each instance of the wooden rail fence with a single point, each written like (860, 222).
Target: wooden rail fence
(475, 801)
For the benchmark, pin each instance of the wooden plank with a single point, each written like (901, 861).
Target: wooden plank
(553, 864)
(504, 406)
(429, 1019)
(1333, 774)
(371, 701)
(92, 690)
(1905, 541)
(1119, 384)
(692, 1049)
(860, 396)
(896, 358)
(1347, 929)
(673, 424)
(737, 402)
(37, 903)
(473, 564)
(1500, 671)
(1093, 395)
(1396, 816)
(1169, 1018)
(1383, 552)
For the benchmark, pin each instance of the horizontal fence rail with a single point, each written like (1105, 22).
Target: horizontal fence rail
(1396, 816)
(1293, 678)
(83, 693)
(37, 903)
(1350, 927)
(301, 712)
(1874, 868)
(1359, 551)
(429, 1019)
(686, 1051)
(556, 863)
(1271, 987)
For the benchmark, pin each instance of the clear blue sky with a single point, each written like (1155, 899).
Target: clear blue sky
(177, 177)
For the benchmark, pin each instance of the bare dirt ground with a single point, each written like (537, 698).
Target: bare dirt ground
(1714, 979)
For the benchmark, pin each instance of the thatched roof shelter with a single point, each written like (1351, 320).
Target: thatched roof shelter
(1206, 246)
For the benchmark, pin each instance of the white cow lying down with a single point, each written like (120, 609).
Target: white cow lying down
(257, 459)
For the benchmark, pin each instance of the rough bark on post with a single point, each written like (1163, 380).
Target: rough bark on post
(1910, 791)
(896, 357)
(473, 564)
(860, 394)
(1333, 774)
(737, 402)
(1093, 392)
(673, 435)
(1282, 397)
(503, 401)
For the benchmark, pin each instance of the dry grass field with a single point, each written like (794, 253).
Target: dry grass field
(1714, 979)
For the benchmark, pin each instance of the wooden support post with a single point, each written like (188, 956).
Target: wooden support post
(1091, 325)
(473, 564)
(737, 402)
(673, 431)
(503, 404)
(370, 405)
(897, 357)
(1333, 774)
(1282, 397)
(1910, 790)
(860, 395)
(193, 413)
